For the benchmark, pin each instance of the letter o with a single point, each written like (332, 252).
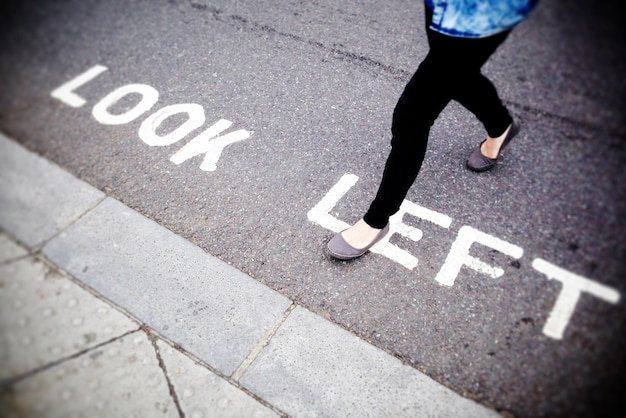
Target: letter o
(147, 130)
(149, 96)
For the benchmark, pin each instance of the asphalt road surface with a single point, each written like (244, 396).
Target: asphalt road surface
(255, 128)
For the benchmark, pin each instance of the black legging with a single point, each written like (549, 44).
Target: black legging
(450, 71)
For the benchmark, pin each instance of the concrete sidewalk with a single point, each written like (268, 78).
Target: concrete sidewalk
(103, 312)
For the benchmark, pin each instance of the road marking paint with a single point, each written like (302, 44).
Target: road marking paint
(573, 286)
(320, 214)
(149, 97)
(65, 92)
(459, 255)
(396, 226)
(209, 142)
(195, 119)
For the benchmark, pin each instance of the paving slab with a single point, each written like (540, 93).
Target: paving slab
(119, 379)
(37, 198)
(202, 393)
(312, 368)
(45, 317)
(211, 309)
(9, 250)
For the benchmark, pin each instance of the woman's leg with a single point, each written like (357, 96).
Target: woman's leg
(418, 107)
(480, 97)
(451, 70)
(448, 72)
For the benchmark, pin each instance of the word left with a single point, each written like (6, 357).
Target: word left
(208, 142)
(573, 286)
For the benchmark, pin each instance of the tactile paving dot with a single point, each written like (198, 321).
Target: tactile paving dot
(201, 393)
(88, 386)
(45, 317)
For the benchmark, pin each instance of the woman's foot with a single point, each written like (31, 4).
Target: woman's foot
(355, 241)
(491, 147)
(360, 234)
(486, 155)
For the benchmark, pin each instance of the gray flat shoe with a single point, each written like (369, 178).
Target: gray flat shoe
(340, 249)
(478, 162)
